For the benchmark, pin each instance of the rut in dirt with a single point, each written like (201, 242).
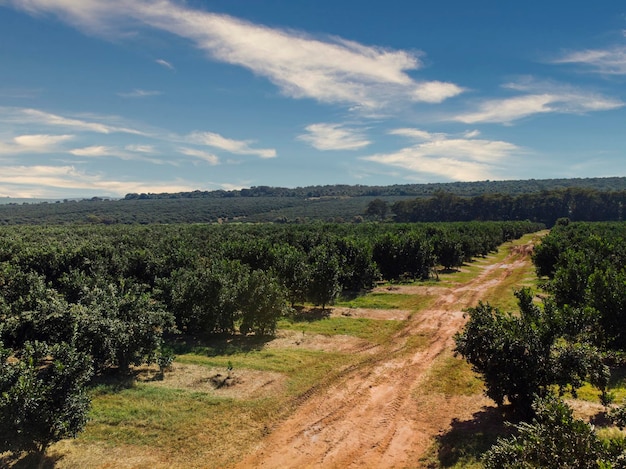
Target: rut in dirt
(369, 416)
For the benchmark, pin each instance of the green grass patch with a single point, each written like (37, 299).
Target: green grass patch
(379, 300)
(617, 386)
(199, 426)
(373, 330)
(452, 376)
(185, 424)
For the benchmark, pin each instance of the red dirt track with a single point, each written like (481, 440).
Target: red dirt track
(373, 415)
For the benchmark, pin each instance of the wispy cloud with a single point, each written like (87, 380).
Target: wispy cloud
(165, 63)
(94, 151)
(139, 93)
(540, 98)
(141, 148)
(451, 157)
(36, 143)
(27, 116)
(333, 137)
(58, 181)
(611, 61)
(330, 70)
(201, 154)
(104, 151)
(238, 147)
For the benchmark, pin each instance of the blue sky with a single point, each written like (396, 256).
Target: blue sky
(107, 97)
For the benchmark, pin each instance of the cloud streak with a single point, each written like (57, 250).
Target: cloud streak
(451, 157)
(539, 99)
(237, 147)
(333, 137)
(139, 93)
(610, 61)
(33, 143)
(29, 116)
(329, 70)
(56, 181)
(165, 63)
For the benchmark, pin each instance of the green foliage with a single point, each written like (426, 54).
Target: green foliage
(377, 208)
(585, 265)
(324, 283)
(554, 440)
(523, 355)
(119, 328)
(42, 395)
(262, 305)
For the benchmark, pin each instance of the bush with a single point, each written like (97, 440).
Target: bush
(520, 356)
(554, 440)
(42, 396)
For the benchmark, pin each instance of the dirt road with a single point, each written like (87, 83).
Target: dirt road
(373, 416)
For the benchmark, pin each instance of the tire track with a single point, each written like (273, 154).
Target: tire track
(368, 416)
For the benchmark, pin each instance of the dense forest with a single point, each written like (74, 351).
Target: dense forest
(542, 201)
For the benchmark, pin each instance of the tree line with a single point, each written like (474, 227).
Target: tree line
(573, 336)
(577, 204)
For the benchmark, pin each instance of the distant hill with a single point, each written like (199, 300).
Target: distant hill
(276, 204)
(464, 189)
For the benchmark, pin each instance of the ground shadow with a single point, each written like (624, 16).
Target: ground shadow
(468, 439)
(310, 314)
(219, 344)
(29, 460)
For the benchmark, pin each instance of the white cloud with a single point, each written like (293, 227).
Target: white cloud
(165, 63)
(203, 155)
(33, 143)
(436, 91)
(461, 159)
(605, 61)
(540, 98)
(42, 141)
(331, 70)
(139, 93)
(333, 137)
(416, 134)
(94, 151)
(29, 116)
(57, 181)
(141, 148)
(238, 147)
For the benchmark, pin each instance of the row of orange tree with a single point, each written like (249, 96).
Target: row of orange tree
(78, 300)
(573, 336)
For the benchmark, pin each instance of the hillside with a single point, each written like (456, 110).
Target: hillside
(339, 203)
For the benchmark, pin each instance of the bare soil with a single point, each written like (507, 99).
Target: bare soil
(374, 415)
(220, 382)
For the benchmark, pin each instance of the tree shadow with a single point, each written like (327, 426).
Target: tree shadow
(468, 439)
(310, 314)
(29, 460)
(601, 419)
(219, 344)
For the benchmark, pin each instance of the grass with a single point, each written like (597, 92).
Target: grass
(372, 330)
(206, 431)
(452, 376)
(378, 300)
(180, 423)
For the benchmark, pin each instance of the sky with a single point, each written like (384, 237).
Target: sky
(109, 97)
